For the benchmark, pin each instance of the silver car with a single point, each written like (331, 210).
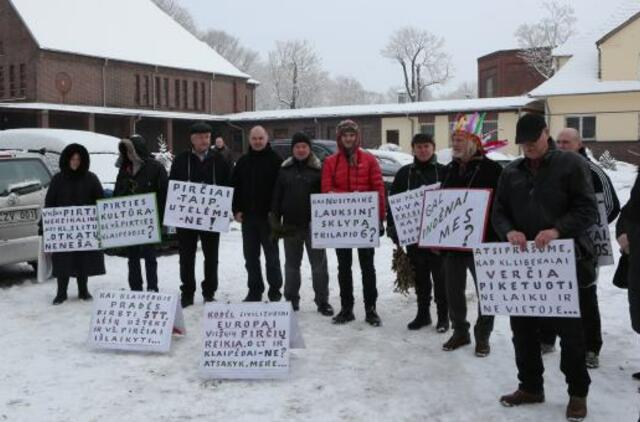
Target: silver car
(24, 179)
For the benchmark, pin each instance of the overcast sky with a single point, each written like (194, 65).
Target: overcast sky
(349, 34)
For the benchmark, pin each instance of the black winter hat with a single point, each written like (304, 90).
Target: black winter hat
(300, 137)
(200, 127)
(529, 128)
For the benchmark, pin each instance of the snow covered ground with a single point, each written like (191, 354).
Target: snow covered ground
(353, 372)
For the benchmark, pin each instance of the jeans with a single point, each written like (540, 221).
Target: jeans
(293, 248)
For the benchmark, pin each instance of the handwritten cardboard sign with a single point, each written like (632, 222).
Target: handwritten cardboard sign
(454, 218)
(406, 210)
(68, 229)
(534, 282)
(128, 220)
(248, 340)
(198, 206)
(345, 220)
(135, 321)
(600, 235)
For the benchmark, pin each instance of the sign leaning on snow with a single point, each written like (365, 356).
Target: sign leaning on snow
(128, 220)
(454, 218)
(406, 210)
(135, 321)
(198, 206)
(345, 220)
(68, 229)
(248, 340)
(599, 234)
(533, 282)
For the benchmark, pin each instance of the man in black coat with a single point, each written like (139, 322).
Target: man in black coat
(254, 178)
(569, 140)
(141, 173)
(200, 164)
(469, 168)
(298, 179)
(424, 171)
(545, 196)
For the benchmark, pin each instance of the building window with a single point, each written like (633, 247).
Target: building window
(203, 97)
(137, 93)
(490, 130)
(310, 131)
(331, 132)
(1, 48)
(23, 80)
(158, 91)
(428, 129)
(185, 95)
(586, 125)
(166, 92)
(393, 137)
(195, 95)
(12, 81)
(280, 133)
(489, 87)
(2, 92)
(177, 93)
(147, 90)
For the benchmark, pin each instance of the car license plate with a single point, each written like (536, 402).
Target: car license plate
(17, 217)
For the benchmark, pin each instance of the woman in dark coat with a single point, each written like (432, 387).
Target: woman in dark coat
(74, 185)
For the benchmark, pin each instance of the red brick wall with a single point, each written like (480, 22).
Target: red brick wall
(511, 75)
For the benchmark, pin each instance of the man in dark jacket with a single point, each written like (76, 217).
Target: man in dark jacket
(224, 150)
(628, 234)
(424, 171)
(254, 178)
(470, 168)
(201, 164)
(299, 177)
(545, 196)
(569, 140)
(141, 173)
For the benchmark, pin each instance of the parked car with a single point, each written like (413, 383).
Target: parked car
(103, 149)
(322, 148)
(390, 162)
(24, 179)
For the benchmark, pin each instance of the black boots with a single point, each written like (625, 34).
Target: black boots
(345, 315)
(61, 295)
(83, 292)
(186, 300)
(372, 317)
(325, 309)
(422, 319)
(442, 326)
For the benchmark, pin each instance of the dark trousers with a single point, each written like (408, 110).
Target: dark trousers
(256, 234)
(63, 284)
(427, 267)
(590, 316)
(148, 253)
(634, 275)
(526, 341)
(345, 277)
(293, 248)
(456, 265)
(188, 242)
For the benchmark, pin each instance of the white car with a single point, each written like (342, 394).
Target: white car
(24, 179)
(103, 149)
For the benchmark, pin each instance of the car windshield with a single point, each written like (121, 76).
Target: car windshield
(22, 176)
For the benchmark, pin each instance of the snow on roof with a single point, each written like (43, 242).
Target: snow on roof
(112, 111)
(431, 107)
(129, 30)
(580, 74)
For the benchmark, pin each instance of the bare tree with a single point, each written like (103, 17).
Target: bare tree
(231, 49)
(422, 59)
(296, 74)
(539, 39)
(179, 13)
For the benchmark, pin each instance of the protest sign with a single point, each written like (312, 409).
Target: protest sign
(454, 218)
(534, 282)
(198, 206)
(135, 321)
(406, 210)
(345, 220)
(128, 220)
(68, 229)
(600, 235)
(248, 340)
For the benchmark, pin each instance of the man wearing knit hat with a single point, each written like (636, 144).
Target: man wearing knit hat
(469, 169)
(352, 169)
(298, 179)
(200, 164)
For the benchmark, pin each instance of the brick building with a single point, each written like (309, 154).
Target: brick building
(114, 67)
(504, 73)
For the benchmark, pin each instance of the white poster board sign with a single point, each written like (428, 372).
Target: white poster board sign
(128, 221)
(198, 206)
(345, 220)
(534, 282)
(406, 210)
(68, 229)
(248, 340)
(135, 321)
(454, 218)
(600, 235)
